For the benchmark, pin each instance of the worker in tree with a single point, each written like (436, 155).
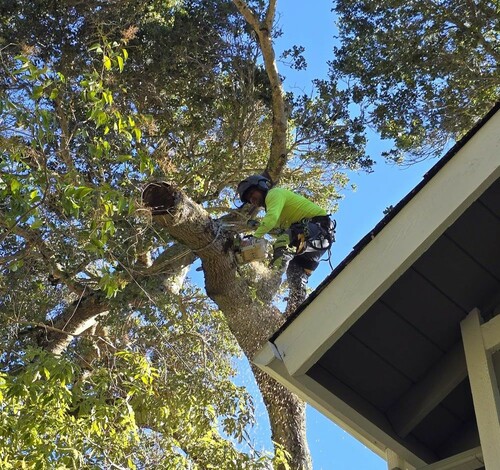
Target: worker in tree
(307, 231)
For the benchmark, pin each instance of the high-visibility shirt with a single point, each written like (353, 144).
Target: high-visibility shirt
(284, 208)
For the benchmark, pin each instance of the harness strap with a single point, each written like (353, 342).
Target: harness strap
(317, 233)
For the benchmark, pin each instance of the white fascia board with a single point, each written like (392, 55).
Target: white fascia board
(407, 236)
(332, 407)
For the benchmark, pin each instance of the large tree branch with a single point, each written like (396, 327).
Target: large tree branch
(191, 225)
(84, 313)
(250, 320)
(270, 14)
(169, 262)
(279, 151)
(75, 319)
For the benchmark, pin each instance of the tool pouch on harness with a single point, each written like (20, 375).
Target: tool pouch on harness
(317, 233)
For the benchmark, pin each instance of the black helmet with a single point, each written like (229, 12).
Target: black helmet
(254, 181)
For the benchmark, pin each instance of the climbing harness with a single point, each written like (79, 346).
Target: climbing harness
(317, 233)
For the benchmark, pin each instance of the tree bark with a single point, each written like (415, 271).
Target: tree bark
(83, 314)
(287, 414)
(250, 320)
(76, 319)
(263, 29)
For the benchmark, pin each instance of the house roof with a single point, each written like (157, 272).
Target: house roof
(390, 215)
(377, 346)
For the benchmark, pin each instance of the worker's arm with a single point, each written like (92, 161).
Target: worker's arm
(274, 205)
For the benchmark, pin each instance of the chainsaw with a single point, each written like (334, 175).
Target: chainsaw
(248, 249)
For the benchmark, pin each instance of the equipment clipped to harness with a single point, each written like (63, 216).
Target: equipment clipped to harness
(317, 233)
(322, 232)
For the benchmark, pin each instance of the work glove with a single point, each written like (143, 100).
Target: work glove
(281, 258)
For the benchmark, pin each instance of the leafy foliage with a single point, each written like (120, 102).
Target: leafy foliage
(119, 412)
(423, 72)
(96, 99)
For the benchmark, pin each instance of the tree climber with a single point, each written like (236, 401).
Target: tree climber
(307, 231)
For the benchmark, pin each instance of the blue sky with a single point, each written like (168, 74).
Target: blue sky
(312, 25)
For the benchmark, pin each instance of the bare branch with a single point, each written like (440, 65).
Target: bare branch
(248, 13)
(278, 152)
(45, 327)
(270, 14)
(64, 148)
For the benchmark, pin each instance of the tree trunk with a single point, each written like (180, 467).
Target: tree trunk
(250, 320)
(286, 412)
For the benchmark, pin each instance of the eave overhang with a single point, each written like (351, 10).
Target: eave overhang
(423, 223)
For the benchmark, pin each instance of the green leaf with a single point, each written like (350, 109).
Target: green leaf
(82, 191)
(96, 47)
(37, 92)
(107, 62)
(108, 97)
(15, 186)
(120, 62)
(16, 265)
(36, 224)
(109, 227)
(101, 118)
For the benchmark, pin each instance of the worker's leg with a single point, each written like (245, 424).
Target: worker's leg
(297, 278)
(298, 272)
(282, 252)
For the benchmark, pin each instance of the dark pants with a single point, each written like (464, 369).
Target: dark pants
(311, 240)
(298, 271)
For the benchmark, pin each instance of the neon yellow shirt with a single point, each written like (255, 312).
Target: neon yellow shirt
(284, 208)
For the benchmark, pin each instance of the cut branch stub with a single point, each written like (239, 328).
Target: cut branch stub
(185, 220)
(159, 197)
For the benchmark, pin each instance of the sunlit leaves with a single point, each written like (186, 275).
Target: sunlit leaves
(14, 185)
(59, 415)
(69, 207)
(65, 416)
(169, 90)
(112, 56)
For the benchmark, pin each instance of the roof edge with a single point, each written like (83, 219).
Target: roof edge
(396, 209)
